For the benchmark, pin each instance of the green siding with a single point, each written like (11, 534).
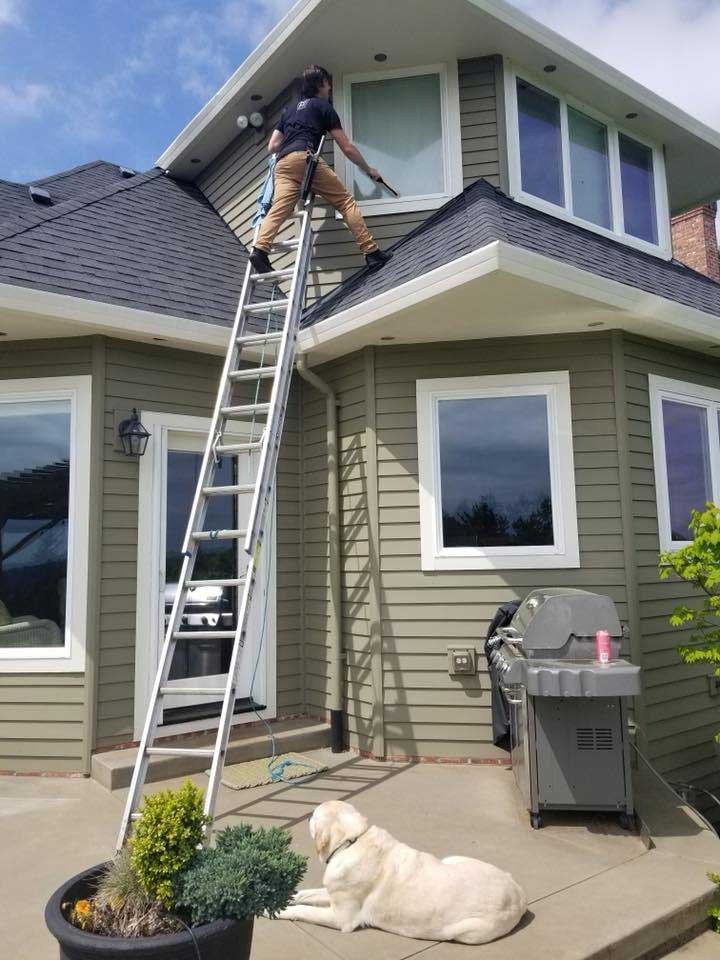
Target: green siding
(232, 182)
(42, 714)
(681, 717)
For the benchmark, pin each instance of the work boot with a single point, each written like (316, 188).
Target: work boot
(376, 259)
(260, 261)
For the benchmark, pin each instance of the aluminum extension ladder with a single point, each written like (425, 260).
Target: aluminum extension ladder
(245, 334)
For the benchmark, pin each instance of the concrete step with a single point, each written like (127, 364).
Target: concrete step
(704, 947)
(113, 768)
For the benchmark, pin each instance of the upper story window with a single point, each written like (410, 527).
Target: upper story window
(567, 160)
(407, 124)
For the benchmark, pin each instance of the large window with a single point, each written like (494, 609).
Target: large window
(496, 472)
(405, 123)
(567, 160)
(44, 462)
(686, 452)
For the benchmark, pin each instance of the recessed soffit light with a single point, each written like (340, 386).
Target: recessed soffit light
(550, 68)
(380, 57)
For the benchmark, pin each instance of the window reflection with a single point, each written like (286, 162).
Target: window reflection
(540, 143)
(687, 456)
(495, 472)
(638, 189)
(589, 168)
(34, 521)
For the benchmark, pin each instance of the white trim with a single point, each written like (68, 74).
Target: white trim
(71, 657)
(565, 551)
(663, 248)
(114, 319)
(681, 320)
(451, 138)
(152, 489)
(692, 394)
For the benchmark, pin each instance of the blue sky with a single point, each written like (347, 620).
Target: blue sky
(118, 79)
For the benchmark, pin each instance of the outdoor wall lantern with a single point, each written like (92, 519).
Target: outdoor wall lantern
(133, 436)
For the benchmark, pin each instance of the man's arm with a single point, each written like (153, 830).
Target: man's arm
(275, 141)
(352, 152)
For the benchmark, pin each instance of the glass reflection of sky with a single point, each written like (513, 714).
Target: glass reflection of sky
(495, 471)
(33, 434)
(688, 463)
(540, 143)
(589, 168)
(638, 189)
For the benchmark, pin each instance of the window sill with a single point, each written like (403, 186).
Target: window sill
(44, 661)
(382, 208)
(451, 560)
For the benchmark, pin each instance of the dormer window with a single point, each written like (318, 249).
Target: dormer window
(566, 159)
(407, 124)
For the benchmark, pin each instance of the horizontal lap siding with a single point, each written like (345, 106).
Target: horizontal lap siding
(181, 383)
(233, 180)
(426, 711)
(347, 378)
(681, 717)
(42, 715)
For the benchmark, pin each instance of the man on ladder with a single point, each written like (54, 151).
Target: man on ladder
(298, 133)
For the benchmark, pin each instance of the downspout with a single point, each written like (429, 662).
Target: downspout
(337, 656)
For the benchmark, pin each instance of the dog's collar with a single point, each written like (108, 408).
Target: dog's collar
(345, 844)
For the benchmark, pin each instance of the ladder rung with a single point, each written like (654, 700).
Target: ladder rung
(229, 491)
(180, 751)
(195, 691)
(244, 409)
(272, 276)
(204, 635)
(236, 582)
(218, 534)
(257, 309)
(253, 373)
(238, 447)
(286, 244)
(248, 339)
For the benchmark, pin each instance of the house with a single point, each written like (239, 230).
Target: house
(527, 395)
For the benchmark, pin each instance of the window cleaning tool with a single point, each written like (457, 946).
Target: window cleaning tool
(387, 186)
(260, 325)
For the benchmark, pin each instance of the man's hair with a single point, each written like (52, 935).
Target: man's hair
(313, 77)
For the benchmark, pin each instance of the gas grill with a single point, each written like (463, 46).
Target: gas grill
(568, 713)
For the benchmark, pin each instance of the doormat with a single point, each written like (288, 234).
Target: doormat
(255, 773)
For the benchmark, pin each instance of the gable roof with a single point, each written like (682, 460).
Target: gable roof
(146, 242)
(482, 214)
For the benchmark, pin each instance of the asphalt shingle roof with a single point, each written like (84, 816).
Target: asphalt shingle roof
(147, 242)
(483, 214)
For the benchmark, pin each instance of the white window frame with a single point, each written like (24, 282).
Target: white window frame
(663, 248)
(565, 551)
(69, 658)
(693, 394)
(452, 150)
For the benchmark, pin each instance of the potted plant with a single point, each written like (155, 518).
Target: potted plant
(166, 896)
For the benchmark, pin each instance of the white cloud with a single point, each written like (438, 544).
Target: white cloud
(10, 12)
(23, 102)
(670, 46)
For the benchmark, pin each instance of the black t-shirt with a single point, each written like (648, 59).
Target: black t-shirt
(304, 123)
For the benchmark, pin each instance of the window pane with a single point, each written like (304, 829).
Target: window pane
(207, 608)
(540, 143)
(589, 168)
(34, 502)
(687, 457)
(495, 472)
(638, 189)
(397, 125)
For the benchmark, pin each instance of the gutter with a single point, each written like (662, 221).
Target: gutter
(337, 655)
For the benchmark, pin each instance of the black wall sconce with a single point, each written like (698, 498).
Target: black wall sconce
(133, 436)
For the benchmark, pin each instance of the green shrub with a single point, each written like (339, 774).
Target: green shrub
(247, 873)
(714, 912)
(166, 838)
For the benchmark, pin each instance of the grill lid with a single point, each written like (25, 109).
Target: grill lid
(557, 618)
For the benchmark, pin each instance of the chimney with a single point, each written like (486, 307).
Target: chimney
(694, 240)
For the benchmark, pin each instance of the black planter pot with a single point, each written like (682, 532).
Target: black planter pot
(222, 940)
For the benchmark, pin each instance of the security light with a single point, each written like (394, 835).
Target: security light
(242, 122)
(257, 120)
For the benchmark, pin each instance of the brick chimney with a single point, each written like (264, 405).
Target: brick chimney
(694, 240)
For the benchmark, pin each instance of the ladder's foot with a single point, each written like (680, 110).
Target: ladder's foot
(260, 261)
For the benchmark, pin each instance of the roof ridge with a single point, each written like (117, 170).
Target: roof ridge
(70, 172)
(23, 223)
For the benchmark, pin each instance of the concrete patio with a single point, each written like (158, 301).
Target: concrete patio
(594, 890)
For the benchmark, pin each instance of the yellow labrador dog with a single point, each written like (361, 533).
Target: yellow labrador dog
(373, 880)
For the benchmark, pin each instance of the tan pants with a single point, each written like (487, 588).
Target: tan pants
(289, 173)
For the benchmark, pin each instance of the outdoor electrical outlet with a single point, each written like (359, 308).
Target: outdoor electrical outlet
(713, 685)
(461, 661)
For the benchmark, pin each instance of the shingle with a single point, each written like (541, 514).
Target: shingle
(147, 242)
(483, 214)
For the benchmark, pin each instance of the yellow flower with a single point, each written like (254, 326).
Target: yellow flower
(82, 908)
